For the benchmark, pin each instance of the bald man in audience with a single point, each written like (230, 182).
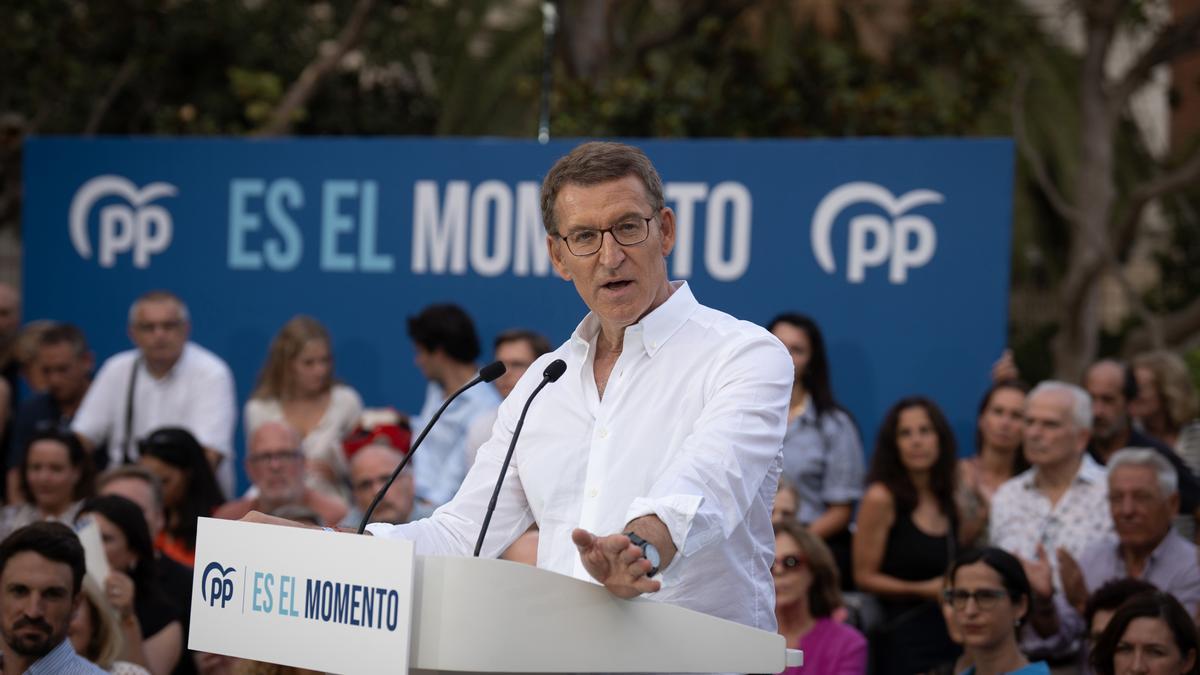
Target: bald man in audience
(275, 465)
(370, 469)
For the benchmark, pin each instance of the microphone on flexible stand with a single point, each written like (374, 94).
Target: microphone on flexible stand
(486, 374)
(551, 374)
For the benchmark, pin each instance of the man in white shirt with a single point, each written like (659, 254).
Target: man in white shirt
(1059, 507)
(667, 425)
(165, 381)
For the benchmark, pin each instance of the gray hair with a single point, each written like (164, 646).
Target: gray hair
(159, 296)
(594, 163)
(1081, 403)
(1168, 478)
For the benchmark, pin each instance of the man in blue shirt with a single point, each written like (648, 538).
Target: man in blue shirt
(446, 348)
(41, 572)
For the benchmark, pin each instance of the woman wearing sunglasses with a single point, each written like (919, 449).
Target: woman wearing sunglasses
(806, 595)
(989, 599)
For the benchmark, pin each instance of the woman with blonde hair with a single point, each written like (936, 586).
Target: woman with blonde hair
(806, 596)
(95, 634)
(1166, 397)
(297, 387)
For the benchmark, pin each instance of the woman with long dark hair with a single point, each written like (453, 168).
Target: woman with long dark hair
(822, 451)
(1150, 633)
(150, 622)
(56, 474)
(190, 489)
(906, 536)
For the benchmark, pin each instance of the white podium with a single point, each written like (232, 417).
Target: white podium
(467, 615)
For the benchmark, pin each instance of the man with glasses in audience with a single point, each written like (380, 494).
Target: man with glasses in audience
(370, 469)
(166, 381)
(275, 465)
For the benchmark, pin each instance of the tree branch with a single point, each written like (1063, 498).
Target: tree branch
(1175, 39)
(1182, 175)
(1064, 208)
(697, 11)
(124, 74)
(300, 91)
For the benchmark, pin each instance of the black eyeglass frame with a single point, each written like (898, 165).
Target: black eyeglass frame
(985, 598)
(612, 230)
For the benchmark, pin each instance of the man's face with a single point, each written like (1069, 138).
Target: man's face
(1140, 512)
(276, 465)
(139, 492)
(621, 284)
(38, 600)
(1051, 437)
(64, 372)
(517, 356)
(1105, 384)
(369, 470)
(10, 312)
(159, 331)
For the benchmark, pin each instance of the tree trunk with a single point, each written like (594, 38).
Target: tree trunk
(1077, 342)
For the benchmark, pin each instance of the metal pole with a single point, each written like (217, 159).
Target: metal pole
(549, 26)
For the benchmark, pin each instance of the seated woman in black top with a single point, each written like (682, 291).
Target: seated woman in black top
(150, 623)
(904, 540)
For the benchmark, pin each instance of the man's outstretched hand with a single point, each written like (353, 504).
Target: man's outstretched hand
(616, 563)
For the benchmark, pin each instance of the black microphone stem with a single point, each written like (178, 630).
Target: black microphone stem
(487, 374)
(487, 519)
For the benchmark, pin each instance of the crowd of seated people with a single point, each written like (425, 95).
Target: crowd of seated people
(1077, 501)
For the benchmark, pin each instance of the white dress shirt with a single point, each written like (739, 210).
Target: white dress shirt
(196, 394)
(689, 429)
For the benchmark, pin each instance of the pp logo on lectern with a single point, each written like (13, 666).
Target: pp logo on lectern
(216, 584)
(873, 238)
(137, 225)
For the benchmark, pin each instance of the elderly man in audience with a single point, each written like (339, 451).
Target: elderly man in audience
(166, 381)
(275, 465)
(1060, 504)
(1143, 499)
(370, 469)
(66, 365)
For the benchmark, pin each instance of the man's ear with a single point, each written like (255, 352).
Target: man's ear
(556, 259)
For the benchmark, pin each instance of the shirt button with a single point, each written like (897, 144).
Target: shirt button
(604, 433)
(593, 492)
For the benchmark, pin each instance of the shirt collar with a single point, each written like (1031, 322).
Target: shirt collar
(1089, 473)
(654, 329)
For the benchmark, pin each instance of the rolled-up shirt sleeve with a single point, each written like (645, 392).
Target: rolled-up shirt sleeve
(707, 490)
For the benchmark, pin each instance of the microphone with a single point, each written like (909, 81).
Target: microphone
(486, 374)
(551, 374)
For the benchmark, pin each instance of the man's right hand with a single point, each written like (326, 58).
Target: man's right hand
(1041, 576)
(616, 563)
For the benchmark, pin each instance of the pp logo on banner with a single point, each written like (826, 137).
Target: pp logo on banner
(138, 225)
(216, 587)
(874, 239)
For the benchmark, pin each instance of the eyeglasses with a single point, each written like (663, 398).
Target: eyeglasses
(165, 326)
(628, 232)
(985, 598)
(371, 484)
(787, 564)
(282, 456)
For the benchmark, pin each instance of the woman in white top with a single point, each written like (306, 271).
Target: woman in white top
(296, 387)
(56, 476)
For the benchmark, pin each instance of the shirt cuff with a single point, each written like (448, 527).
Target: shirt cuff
(675, 511)
(382, 530)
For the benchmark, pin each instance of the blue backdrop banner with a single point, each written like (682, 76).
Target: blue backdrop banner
(899, 248)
